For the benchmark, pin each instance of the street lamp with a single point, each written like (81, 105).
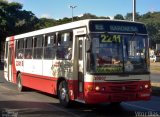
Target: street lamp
(72, 7)
(134, 10)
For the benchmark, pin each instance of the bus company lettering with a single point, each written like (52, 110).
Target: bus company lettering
(80, 31)
(99, 78)
(19, 63)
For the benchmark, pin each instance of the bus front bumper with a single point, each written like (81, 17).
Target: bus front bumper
(98, 97)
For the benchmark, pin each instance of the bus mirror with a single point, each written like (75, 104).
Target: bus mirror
(88, 46)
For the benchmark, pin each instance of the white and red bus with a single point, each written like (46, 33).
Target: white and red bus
(89, 61)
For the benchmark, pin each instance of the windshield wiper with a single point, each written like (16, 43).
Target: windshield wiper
(133, 36)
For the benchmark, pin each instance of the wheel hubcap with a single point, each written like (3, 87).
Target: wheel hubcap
(19, 84)
(63, 93)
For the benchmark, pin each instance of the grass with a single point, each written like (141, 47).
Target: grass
(155, 67)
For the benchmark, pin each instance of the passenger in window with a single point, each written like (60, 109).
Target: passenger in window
(20, 55)
(59, 42)
(60, 53)
(29, 56)
(69, 54)
(104, 56)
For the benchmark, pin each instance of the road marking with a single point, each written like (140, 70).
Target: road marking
(148, 109)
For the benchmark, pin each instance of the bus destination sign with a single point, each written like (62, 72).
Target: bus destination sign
(117, 26)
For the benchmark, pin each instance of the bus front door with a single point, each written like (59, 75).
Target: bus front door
(81, 67)
(6, 66)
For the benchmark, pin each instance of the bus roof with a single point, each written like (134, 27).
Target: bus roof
(64, 27)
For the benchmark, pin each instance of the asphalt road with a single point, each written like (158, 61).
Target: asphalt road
(155, 72)
(35, 104)
(155, 77)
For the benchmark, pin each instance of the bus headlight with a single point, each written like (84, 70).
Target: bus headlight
(97, 88)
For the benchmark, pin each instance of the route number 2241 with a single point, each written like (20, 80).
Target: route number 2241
(110, 38)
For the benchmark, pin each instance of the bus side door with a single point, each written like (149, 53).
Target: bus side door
(9, 61)
(81, 56)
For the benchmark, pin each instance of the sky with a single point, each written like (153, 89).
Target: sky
(59, 9)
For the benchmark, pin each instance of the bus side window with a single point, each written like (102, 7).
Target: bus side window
(64, 50)
(38, 47)
(20, 49)
(28, 48)
(49, 46)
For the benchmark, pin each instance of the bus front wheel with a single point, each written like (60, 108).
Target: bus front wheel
(63, 94)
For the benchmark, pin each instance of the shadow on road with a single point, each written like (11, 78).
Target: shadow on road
(31, 109)
(101, 110)
(42, 109)
(155, 90)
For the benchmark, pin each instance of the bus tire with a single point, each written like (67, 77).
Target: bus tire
(63, 94)
(19, 83)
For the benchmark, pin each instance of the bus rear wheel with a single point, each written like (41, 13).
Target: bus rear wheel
(63, 94)
(19, 83)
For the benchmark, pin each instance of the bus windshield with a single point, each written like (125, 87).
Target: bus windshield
(118, 53)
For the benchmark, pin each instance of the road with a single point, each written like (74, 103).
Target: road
(155, 72)
(35, 104)
(155, 77)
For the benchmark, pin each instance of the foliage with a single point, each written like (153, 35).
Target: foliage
(14, 20)
(44, 23)
(153, 26)
(13, 17)
(129, 16)
(119, 17)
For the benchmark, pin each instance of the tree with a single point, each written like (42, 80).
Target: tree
(130, 17)
(153, 26)
(45, 22)
(119, 17)
(88, 16)
(13, 17)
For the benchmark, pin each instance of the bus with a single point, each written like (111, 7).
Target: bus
(89, 61)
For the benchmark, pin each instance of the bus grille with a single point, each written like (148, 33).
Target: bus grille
(120, 97)
(123, 88)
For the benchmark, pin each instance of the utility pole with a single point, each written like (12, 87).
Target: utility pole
(134, 10)
(72, 7)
